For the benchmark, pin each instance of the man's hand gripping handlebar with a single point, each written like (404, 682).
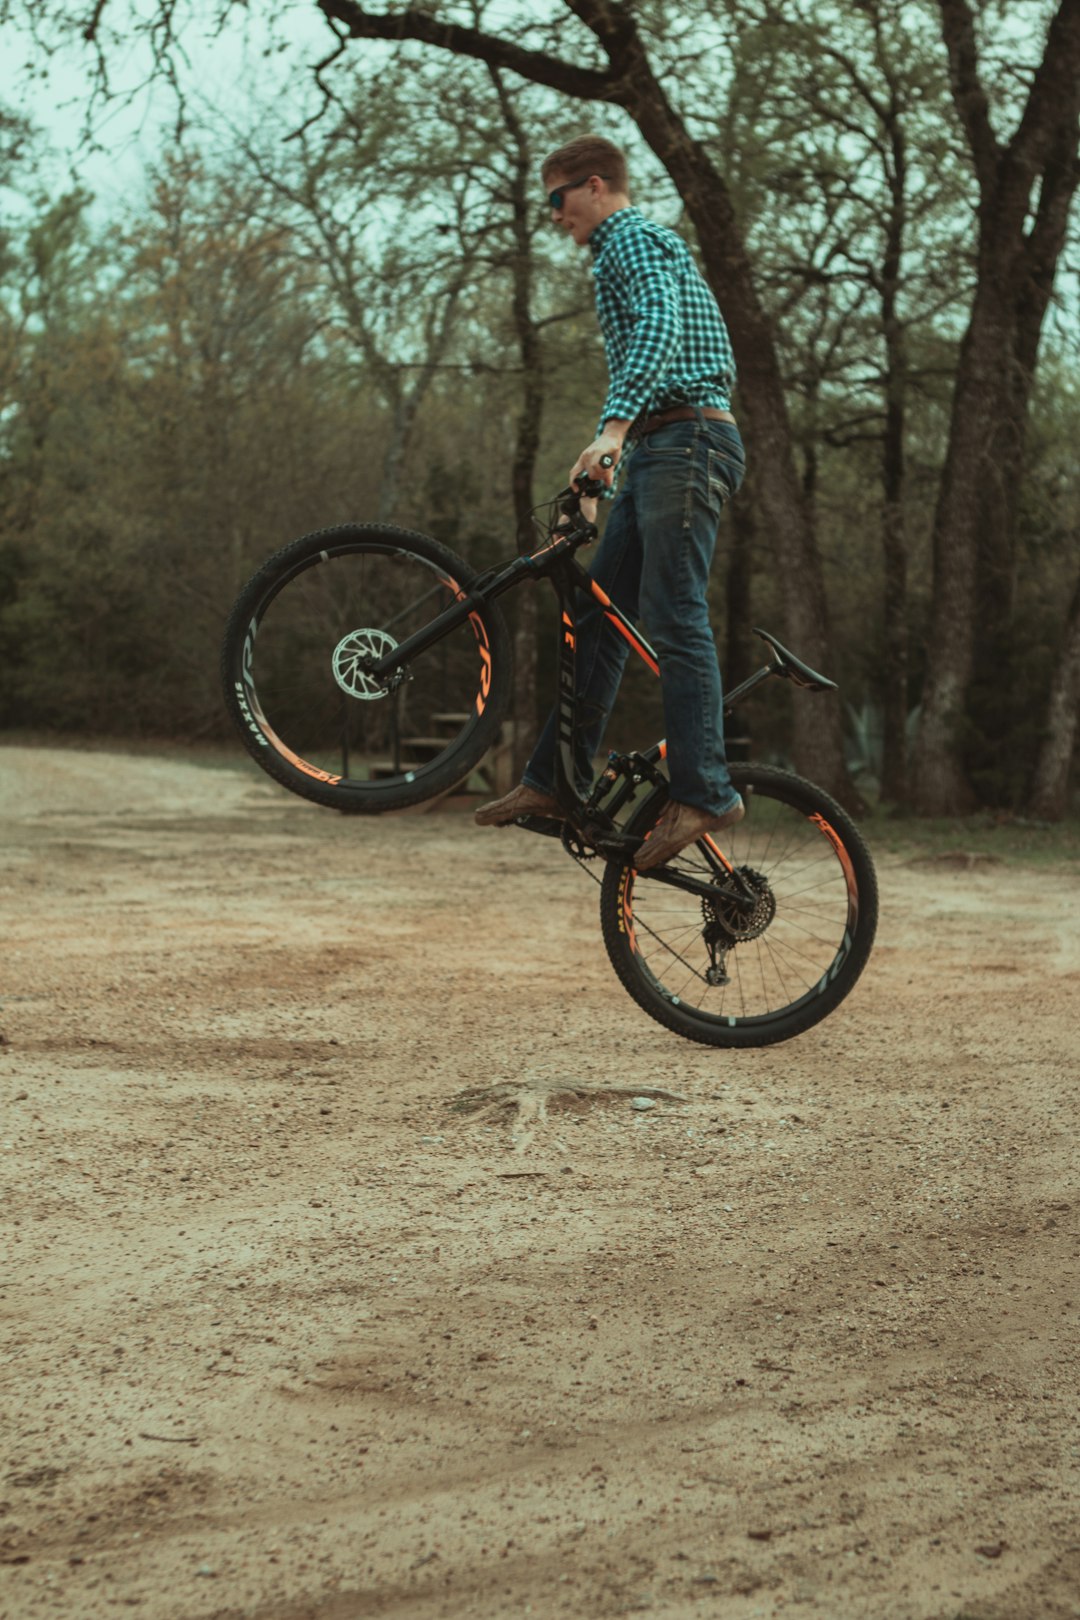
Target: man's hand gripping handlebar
(579, 499)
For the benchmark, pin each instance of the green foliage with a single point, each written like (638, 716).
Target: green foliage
(987, 835)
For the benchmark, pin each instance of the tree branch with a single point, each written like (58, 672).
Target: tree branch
(969, 97)
(329, 98)
(1054, 98)
(584, 84)
(90, 31)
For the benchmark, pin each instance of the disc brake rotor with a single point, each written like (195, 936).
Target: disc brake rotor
(346, 663)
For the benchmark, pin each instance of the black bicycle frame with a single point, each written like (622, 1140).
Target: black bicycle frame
(557, 561)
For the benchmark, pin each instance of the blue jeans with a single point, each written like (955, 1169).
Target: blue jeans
(653, 562)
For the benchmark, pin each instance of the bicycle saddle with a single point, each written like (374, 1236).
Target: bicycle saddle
(794, 668)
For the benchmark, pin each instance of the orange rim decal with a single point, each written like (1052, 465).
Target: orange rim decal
(294, 759)
(480, 632)
(626, 908)
(844, 859)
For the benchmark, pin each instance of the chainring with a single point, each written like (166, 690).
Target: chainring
(575, 845)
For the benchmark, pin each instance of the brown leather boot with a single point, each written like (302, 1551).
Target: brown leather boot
(682, 824)
(522, 801)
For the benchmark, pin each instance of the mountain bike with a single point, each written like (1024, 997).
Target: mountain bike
(368, 669)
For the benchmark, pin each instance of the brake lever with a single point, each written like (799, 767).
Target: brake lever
(583, 488)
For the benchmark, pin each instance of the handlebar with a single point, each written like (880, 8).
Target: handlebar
(570, 499)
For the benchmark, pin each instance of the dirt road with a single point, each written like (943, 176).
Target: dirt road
(289, 1334)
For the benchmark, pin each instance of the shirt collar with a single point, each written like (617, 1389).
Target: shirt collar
(608, 227)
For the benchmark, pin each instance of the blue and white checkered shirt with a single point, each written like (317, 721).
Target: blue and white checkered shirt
(664, 336)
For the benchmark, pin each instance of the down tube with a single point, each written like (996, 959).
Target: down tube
(624, 627)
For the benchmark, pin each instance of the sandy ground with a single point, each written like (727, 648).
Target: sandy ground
(288, 1334)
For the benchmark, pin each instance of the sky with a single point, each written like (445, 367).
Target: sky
(224, 72)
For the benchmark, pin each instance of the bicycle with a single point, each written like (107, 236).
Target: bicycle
(368, 669)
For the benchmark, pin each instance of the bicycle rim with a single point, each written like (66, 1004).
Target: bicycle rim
(309, 713)
(776, 970)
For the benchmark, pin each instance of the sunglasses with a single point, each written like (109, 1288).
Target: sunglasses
(555, 198)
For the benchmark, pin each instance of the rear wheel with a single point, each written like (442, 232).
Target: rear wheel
(761, 959)
(293, 669)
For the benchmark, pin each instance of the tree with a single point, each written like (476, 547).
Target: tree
(1025, 187)
(841, 169)
(155, 443)
(804, 362)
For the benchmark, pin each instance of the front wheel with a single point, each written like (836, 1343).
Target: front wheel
(779, 940)
(293, 666)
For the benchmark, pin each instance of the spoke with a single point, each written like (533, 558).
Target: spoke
(663, 945)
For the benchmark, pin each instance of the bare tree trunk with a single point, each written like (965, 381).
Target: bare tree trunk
(1049, 788)
(405, 401)
(995, 718)
(894, 771)
(894, 774)
(818, 740)
(527, 443)
(403, 411)
(940, 787)
(1007, 177)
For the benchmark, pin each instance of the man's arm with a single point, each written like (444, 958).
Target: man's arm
(645, 269)
(647, 273)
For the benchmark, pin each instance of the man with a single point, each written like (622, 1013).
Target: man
(667, 414)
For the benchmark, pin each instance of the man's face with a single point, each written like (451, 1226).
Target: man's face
(581, 210)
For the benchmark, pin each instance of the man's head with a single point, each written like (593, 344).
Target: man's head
(586, 180)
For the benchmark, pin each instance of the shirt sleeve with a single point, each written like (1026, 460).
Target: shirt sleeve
(648, 275)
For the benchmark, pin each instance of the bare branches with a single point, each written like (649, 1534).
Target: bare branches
(91, 30)
(330, 97)
(1052, 106)
(584, 84)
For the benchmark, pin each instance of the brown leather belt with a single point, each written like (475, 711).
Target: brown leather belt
(682, 413)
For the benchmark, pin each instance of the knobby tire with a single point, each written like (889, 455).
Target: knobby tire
(295, 687)
(805, 944)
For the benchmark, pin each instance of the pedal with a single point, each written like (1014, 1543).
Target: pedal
(545, 825)
(617, 847)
